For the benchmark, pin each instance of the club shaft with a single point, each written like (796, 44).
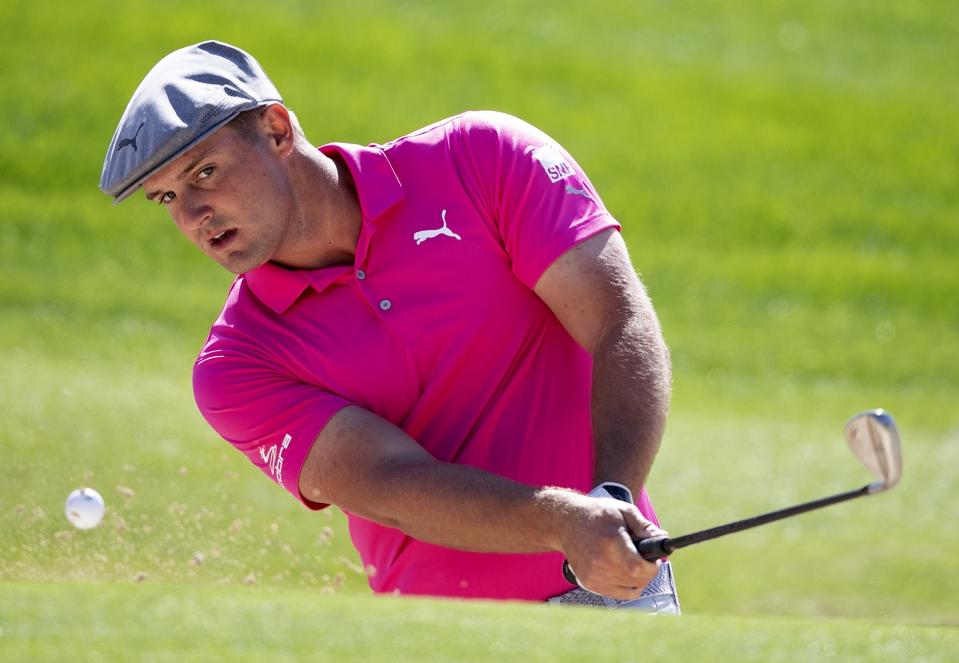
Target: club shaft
(667, 545)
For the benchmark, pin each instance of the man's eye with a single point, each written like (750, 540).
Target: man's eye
(166, 198)
(206, 172)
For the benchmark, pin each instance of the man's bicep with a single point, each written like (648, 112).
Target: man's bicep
(350, 456)
(592, 287)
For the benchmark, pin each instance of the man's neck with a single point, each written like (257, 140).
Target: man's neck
(326, 219)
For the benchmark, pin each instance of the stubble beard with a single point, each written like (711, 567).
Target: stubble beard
(245, 258)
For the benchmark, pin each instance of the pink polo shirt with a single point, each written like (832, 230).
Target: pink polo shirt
(434, 328)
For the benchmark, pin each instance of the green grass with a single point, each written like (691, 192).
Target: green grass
(786, 177)
(156, 624)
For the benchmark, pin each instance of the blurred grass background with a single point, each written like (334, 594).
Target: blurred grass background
(786, 175)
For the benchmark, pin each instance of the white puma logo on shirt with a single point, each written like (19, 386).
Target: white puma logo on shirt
(578, 192)
(423, 235)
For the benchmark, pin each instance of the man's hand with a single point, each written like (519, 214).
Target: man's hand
(597, 542)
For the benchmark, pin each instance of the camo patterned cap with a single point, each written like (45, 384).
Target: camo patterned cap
(187, 96)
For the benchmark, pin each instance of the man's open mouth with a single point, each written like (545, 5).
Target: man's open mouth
(222, 238)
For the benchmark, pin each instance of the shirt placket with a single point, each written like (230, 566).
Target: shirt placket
(384, 298)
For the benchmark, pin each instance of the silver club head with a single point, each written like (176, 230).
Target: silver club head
(873, 437)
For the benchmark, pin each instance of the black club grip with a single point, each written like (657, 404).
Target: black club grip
(653, 548)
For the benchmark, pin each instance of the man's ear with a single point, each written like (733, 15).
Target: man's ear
(276, 124)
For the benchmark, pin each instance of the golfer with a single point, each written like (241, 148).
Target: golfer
(441, 335)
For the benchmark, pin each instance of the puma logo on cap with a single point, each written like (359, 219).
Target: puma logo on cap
(130, 141)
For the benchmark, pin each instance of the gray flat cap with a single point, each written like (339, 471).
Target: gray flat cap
(187, 96)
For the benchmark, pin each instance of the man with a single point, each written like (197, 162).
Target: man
(442, 335)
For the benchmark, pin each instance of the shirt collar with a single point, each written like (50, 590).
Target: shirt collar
(378, 189)
(377, 185)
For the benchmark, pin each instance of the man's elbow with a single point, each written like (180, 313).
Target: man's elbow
(376, 493)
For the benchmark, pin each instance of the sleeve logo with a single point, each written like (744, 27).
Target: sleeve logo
(553, 162)
(273, 457)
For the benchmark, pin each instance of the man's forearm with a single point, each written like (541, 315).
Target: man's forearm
(595, 293)
(462, 507)
(630, 399)
(369, 467)
(373, 469)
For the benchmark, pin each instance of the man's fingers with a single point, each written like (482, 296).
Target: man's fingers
(638, 568)
(610, 584)
(601, 552)
(618, 570)
(640, 527)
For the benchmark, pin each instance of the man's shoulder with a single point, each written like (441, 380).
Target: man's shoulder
(468, 123)
(237, 353)
(235, 329)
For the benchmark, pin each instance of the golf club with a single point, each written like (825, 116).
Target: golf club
(874, 439)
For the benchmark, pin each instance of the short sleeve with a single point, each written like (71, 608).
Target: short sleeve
(271, 417)
(540, 200)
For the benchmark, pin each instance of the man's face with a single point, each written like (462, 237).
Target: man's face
(230, 196)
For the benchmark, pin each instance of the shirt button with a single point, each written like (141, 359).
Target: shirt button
(386, 304)
(360, 274)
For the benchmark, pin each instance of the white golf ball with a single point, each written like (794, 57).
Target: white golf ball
(85, 508)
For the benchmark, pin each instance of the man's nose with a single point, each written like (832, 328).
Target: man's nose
(195, 212)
